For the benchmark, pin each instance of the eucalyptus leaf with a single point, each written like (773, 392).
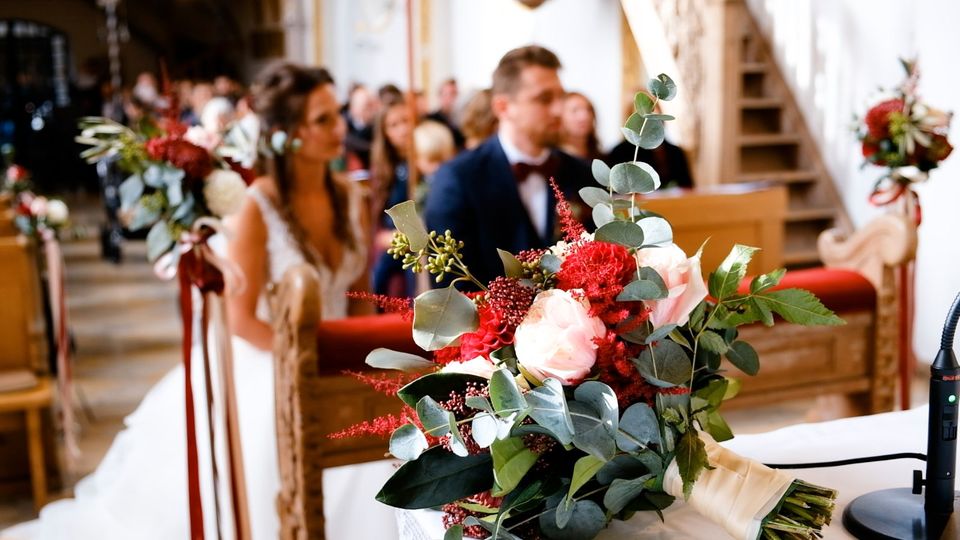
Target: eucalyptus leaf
(663, 87)
(485, 428)
(594, 196)
(742, 355)
(643, 103)
(649, 286)
(664, 364)
(660, 333)
(591, 433)
(624, 233)
(130, 191)
(174, 193)
(602, 399)
(505, 395)
(602, 214)
(634, 177)
(480, 403)
(437, 477)
(494, 528)
(511, 266)
(725, 280)
(583, 471)
(441, 316)
(625, 466)
(511, 461)
(659, 117)
(586, 521)
(382, 358)
(406, 220)
(638, 426)
(623, 491)
(183, 210)
(159, 240)
(407, 442)
(656, 231)
(143, 216)
(601, 172)
(436, 420)
(548, 408)
(454, 533)
(652, 135)
(550, 263)
(154, 177)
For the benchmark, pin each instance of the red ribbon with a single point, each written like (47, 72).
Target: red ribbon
(193, 466)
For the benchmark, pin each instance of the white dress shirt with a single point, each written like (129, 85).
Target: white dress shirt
(533, 191)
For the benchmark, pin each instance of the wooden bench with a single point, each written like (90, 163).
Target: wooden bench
(314, 399)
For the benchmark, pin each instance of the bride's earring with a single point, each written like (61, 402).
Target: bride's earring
(295, 144)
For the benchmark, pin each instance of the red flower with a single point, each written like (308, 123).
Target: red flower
(157, 148)
(601, 270)
(940, 148)
(615, 368)
(16, 173)
(511, 299)
(571, 226)
(878, 117)
(494, 332)
(446, 355)
(194, 160)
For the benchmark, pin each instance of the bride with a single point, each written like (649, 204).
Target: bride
(301, 212)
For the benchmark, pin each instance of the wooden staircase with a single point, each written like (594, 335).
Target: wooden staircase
(772, 144)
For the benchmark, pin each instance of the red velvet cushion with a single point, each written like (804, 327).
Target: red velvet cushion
(839, 290)
(344, 343)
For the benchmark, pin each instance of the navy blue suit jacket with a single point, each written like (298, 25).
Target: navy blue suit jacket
(475, 196)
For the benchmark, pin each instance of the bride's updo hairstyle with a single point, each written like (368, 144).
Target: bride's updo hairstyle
(280, 100)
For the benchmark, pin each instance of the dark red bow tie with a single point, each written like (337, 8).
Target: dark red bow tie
(523, 170)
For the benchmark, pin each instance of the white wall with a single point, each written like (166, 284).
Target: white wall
(835, 55)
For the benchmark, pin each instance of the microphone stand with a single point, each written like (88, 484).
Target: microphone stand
(921, 514)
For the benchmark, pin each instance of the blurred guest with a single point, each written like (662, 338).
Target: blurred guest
(145, 89)
(497, 195)
(434, 146)
(217, 114)
(447, 101)
(184, 91)
(390, 177)
(202, 93)
(389, 92)
(579, 128)
(224, 86)
(422, 106)
(361, 110)
(479, 122)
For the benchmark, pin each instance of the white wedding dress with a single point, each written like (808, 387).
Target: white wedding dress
(139, 489)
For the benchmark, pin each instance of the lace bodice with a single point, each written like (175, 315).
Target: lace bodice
(283, 252)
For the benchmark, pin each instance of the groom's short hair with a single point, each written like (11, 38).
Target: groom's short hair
(506, 78)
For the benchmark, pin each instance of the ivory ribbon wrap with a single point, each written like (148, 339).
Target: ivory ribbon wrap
(737, 494)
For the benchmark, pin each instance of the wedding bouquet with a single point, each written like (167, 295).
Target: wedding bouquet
(34, 215)
(905, 135)
(179, 176)
(586, 383)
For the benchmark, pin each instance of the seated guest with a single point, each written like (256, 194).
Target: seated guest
(668, 159)
(390, 175)
(447, 98)
(497, 195)
(361, 109)
(579, 128)
(434, 146)
(478, 121)
(389, 92)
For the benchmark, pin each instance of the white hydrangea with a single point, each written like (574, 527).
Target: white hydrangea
(223, 191)
(561, 248)
(57, 212)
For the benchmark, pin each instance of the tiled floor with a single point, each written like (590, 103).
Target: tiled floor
(127, 332)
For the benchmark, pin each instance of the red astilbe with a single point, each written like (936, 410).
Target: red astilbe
(381, 426)
(385, 383)
(602, 270)
(571, 226)
(615, 369)
(389, 304)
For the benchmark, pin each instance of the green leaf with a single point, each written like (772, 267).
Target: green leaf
(590, 433)
(649, 286)
(765, 281)
(548, 408)
(643, 103)
(436, 420)
(691, 459)
(454, 533)
(143, 216)
(441, 316)
(511, 461)
(725, 281)
(656, 231)
(629, 466)
(716, 426)
(742, 355)
(799, 306)
(643, 132)
(505, 395)
(711, 395)
(435, 478)
(174, 193)
(406, 220)
(594, 196)
(583, 471)
(601, 172)
(159, 240)
(382, 358)
(713, 342)
(487, 427)
(663, 87)
(634, 177)
(623, 491)
(494, 528)
(550, 263)
(638, 425)
(130, 191)
(659, 117)
(603, 400)
(664, 364)
(660, 333)
(438, 386)
(511, 266)
(184, 209)
(625, 233)
(602, 214)
(407, 442)
(696, 317)
(586, 521)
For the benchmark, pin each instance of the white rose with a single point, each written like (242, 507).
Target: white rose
(223, 191)
(479, 366)
(681, 275)
(556, 338)
(57, 212)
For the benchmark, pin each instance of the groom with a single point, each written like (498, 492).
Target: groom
(498, 195)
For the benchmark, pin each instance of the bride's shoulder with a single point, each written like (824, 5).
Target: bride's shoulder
(355, 190)
(264, 186)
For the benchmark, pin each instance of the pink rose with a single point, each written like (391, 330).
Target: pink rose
(556, 338)
(479, 366)
(685, 287)
(38, 207)
(16, 173)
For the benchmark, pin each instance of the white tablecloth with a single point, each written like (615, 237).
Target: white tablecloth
(840, 439)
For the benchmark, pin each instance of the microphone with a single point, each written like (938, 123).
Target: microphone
(902, 513)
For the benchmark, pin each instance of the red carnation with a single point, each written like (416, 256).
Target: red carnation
(194, 160)
(878, 117)
(601, 270)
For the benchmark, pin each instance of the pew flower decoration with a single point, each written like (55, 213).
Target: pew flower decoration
(586, 383)
(177, 177)
(904, 135)
(36, 215)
